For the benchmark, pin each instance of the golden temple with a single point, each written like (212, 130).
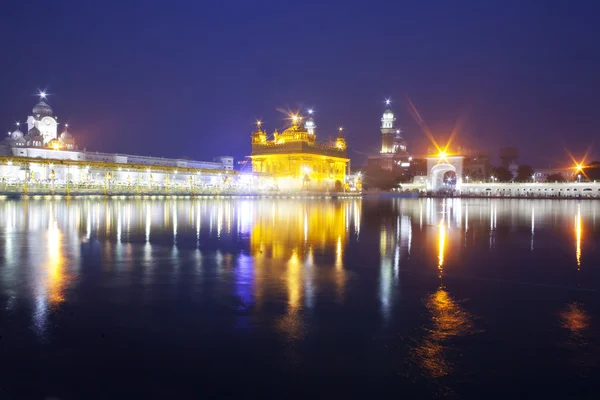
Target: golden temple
(296, 160)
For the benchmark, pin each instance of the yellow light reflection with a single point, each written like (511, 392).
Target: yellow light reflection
(574, 318)
(56, 278)
(441, 247)
(449, 320)
(578, 237)
(294, 282)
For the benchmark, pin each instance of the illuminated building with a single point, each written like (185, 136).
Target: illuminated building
(296, 160)
(393, 163)
(393, 154)
(43, 154)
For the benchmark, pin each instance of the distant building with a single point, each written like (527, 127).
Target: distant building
(393, 163)
(568, 173)
(476, 165)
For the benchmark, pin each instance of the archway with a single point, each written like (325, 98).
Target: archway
(444, 173)
(338, 186)
(449, 178)
(442, 176)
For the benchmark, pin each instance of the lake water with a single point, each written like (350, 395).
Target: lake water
(412, 298)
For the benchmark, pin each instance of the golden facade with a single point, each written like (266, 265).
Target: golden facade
(295, 159)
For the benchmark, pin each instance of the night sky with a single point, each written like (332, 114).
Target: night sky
(188, 78)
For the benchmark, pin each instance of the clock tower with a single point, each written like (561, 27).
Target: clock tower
(43, 120)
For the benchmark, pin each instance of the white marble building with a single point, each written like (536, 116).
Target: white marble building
(45, 146)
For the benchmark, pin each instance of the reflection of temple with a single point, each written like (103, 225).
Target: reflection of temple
(287, 228)
(295, 158)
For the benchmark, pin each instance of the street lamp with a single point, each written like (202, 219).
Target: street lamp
(533, 178)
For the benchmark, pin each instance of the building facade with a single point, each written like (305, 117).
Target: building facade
(42, 154)
(295, 159)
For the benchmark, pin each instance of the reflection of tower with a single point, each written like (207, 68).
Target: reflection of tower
(387, 130)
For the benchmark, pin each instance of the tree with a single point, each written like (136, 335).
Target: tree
(555, 177)
(524, 173)
(503, 174)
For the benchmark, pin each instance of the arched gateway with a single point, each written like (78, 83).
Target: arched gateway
(438, 167)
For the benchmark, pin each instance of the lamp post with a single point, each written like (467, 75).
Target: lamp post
(533, 178)
(579, 178)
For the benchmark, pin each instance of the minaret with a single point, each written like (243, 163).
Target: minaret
(340, 142)
(259, 136)
(387, 129)
(310, 125)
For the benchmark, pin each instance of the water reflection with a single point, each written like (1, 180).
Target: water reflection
(274, 249)
(574, 319)
(578, 237)
(448, 321)
(441, 247)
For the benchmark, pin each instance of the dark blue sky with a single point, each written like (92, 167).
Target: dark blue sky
(188, 78)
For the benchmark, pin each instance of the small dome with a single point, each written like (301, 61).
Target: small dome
(66, 135)
(16, 134)
(388, 113)
(33, 132)
(42, 109)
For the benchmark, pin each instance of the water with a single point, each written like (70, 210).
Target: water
(416, 298)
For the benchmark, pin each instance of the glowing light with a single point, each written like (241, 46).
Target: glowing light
(575, 319)
(66, 125)
(410, 158)
(295, 118)
(306, 170)
(18, 124)
(42, 95)
(388, 101)
(442, 154)
(310, 111)
(341, 129)
(398, 131)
